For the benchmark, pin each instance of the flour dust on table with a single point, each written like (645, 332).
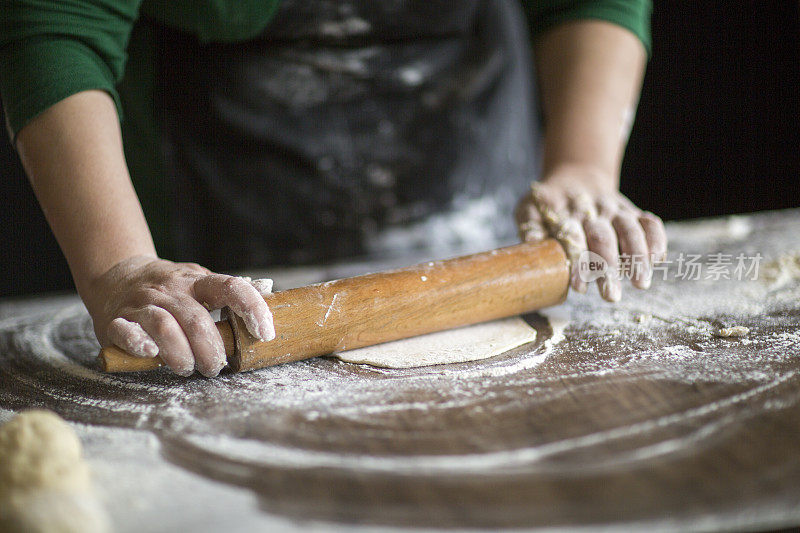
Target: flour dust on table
(643, 396)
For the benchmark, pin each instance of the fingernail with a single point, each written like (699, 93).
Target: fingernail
(267, 328)
(645, 275)
(616, 292)
(252, 325)
(612, 291)
(647, 278)
(222, 357)
(263, 329)
(214, 371)
(218, 364)
(184, 372)
(149, 348)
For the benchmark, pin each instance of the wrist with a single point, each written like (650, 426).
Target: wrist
(582, 175)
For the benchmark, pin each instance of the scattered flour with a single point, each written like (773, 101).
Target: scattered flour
(471, 226)
(324, 414)
(710, 231)
(782, 270)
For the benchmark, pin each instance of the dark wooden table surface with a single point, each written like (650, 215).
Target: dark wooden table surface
(636, 415)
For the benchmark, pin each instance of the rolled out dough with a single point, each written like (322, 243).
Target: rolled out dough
(470, 343)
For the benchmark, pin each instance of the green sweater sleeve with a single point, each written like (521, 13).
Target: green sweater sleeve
(633, 15)
(51, 49)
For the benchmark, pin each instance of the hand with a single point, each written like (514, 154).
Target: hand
(149, 306)
(584, 213)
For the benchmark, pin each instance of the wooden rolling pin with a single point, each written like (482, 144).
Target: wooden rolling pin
(365, 310)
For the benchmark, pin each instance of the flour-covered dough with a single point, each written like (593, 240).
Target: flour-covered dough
(470, 343)
(44, 482)
(53, 511)
(40, 451)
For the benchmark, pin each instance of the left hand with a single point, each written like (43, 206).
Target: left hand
(584, 213)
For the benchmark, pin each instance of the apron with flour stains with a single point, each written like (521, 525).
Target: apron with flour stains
(351, 128)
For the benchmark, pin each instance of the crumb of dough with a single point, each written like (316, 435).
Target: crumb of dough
(263, 286)
(733, 331)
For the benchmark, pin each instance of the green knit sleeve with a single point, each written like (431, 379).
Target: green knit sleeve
(51, 49)
(633, 15)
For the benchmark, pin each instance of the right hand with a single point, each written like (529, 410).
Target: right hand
(149, 306)
(583, 214)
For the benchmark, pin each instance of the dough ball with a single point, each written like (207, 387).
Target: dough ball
(44, 482)
(40, 451)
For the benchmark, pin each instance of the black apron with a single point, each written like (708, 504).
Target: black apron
(350, 129)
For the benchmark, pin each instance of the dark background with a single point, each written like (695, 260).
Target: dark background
(716, 132)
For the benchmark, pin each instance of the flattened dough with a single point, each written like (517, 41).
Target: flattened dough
(470, 343)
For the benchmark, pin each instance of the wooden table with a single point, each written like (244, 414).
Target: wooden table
(640, 416)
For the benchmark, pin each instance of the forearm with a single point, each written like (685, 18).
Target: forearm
(73, 156)
(590, 74)
(74, 159)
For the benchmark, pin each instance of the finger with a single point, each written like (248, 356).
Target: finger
(582, 206)
(132, 338)
(173, 346)
(202, 334)
(219, 290)
(633, 246)
(544, 194)
(529, 221)
(562, 217)
(602, 240)
(655, 234)
(551, 204)
(607, 207)
(573, 239)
